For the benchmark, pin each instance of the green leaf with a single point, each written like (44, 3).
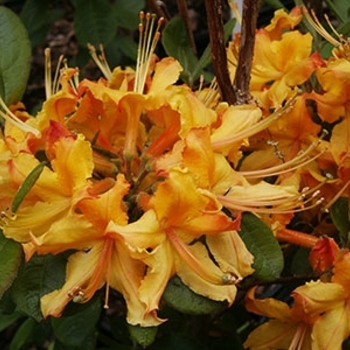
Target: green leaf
(177, 44)
(23, 334)
(183, 299)
(340, 216)
(15, 64)
(276, 4)
(300, 264)
(10, 260)
(37, 16)
(260, 241)
(40, 276)
(179, 341)
(6, 319)
(143, 336)
(94, 22)
(74, 327)
(126, 13)
(26, 186)
(340, 8)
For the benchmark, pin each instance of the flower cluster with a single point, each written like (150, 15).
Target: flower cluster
(144, 178)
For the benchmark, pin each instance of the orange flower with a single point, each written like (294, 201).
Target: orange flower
(329, 303)
(279, 65)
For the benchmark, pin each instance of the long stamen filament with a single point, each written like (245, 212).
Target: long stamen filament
(100, 61)
(195, 264)
(316, 24)
(261, 125)
(51, 87)
(101, 272)
(266, 205)
(14, 120)
(297, 162)
(298, 339)
(336, 197)
(146, 47)
(48, 79)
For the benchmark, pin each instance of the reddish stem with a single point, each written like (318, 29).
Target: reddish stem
(246, 52)
(218, 50)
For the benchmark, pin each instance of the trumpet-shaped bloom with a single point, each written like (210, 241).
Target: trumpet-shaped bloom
(279, 65)
(330, 301)
(56, 192)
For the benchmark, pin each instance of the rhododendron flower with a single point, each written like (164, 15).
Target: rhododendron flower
(279, 65)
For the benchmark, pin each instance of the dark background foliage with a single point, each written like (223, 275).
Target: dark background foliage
(193, 321)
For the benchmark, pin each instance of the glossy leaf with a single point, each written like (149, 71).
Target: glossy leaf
(143, 336)
(300, 264)
(276, 4)
(126, 12)
(10, 260)
(23, 333)
(26, 186)
(38, 16)
(176, 44)
(78, 321)
(6, 319)
(340, 8)
(260, 241)
(340, 216)
(94, 22)
(41, 275)
(181, 298)
(15, 64)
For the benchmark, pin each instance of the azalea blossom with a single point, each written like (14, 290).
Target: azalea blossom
(143, 179)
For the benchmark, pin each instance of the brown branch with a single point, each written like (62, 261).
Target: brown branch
(155, 8)
(246, 51)
(218, 50)
(183, 10)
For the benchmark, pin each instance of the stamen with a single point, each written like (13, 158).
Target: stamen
(196, 265)
(51, 87)
(336, 197)
(280, 205)
(211, 94)
(48, 79)
(341, 46)
(261, 125)
(298, 339)
(14, 120)
(146, 48)
(316, 24)
(56, 79)
(101, 272)
(234, 8)
(296, 163)
(100, 60)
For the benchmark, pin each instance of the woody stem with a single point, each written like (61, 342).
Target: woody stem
(246, 52)
(218, 50)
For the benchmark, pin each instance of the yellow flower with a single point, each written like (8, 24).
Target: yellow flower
(167, 238)
(317, 319)
(279, 65)
(56, 192)
(330, 301)
(101, 258)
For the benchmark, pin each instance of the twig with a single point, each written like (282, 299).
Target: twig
(155, 8)
(218, 50)
(183, 10)
(246, 52)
